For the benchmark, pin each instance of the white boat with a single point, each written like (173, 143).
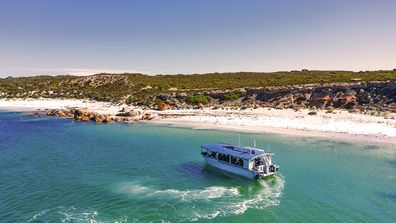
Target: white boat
(244, 161)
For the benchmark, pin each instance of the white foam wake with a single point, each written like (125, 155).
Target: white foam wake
(210, 202)
(267, 195)
(176, 205)
(183, 195)
(71, 214)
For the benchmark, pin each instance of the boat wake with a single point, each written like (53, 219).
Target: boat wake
(182, 195)
(176, 205)
(210, 202)
(72, 214)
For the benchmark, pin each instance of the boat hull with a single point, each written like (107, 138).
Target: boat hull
(230, 168)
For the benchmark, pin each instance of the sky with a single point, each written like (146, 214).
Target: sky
(194, 36)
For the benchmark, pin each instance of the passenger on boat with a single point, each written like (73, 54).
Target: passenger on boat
(258, 161)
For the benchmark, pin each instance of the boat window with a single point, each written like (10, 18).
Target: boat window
(236, 161)
(204, 151)
(212, 154)
(224, 157)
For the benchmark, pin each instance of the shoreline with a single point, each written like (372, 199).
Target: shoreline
(339, 125)
(344, 137)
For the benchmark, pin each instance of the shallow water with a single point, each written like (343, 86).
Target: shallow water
(56, 170)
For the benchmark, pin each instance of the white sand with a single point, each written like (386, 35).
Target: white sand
(35, 104)
(339, 121)
(340, 124)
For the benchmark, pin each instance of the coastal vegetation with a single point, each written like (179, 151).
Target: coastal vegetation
(318, 89)
(231, 96)
(198, 99)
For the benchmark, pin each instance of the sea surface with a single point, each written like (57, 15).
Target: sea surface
(57, 170)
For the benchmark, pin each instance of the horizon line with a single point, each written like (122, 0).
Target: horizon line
(203, 73)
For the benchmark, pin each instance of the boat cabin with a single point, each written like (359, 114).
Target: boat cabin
(252, 159)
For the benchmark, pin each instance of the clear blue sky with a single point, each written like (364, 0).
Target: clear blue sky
(186, 36)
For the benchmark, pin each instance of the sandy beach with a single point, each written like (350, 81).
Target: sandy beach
(339, 124)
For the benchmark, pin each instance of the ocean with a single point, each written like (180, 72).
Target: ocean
(57, 170)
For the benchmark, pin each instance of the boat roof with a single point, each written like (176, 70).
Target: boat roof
(235, 151)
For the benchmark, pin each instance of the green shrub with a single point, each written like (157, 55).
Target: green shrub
(231, 96)
(194, 100)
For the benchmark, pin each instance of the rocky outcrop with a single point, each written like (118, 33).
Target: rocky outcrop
(350, 96)
(84, 115)
(359, 96)
(355, 96)
(128, 112)
(61, 113)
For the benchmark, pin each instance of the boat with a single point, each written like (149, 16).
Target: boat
(248, 162)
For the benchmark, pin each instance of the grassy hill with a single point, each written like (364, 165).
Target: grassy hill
(140, 88)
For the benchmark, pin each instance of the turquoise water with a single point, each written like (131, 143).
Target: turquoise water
(56, 170)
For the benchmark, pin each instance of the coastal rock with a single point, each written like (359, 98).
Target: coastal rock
(108, 120)
(148, 116)
(80, 112)
(163, 106)
(126, 109)
(200, 106)
(98, 118)
(312, 113)
(130, 113)
(83, 115)
(61, 113)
